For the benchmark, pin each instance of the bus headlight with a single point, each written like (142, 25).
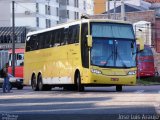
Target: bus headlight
(96, 71)
(131, 72)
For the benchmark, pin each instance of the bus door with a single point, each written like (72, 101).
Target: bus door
(85, 53)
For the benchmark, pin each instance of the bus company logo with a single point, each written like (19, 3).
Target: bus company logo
(114, 79)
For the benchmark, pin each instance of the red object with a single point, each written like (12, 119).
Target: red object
(19, 59)
(145, 63)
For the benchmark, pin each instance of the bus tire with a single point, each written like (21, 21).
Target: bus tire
(40, 83)
(34, 83)
(20, 87)
(80, 87)
(47, 87)
(118, 88)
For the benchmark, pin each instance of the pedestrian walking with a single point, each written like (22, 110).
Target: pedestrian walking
(6, 84)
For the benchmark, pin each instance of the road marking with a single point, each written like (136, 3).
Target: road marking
(139, 91)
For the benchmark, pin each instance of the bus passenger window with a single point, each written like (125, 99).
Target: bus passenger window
(33, 42)
(41, 41)
(52, 39)
(57, 38)
(66, 35)
(47, 39)
(73, 34)
(62, 40)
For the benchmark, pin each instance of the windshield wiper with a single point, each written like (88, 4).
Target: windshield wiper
(108, 59)
(117, 54)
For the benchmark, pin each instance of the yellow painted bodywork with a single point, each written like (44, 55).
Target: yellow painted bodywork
(109, 76)
(63, 61)
(59, 61)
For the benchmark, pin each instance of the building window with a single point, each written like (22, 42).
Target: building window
(67, 2)
(76, 3)
(68, 14)
(37, 21)
(48, 23)
(57, 11)
(84, 5)
(37, 8)
(76, 15)
(47, 10)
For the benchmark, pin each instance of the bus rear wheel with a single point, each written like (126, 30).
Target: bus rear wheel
(34, 83)
(80, 87)
(119, 88)
(40, 83)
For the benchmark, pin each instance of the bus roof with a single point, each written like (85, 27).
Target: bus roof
(65, 25)
(19, 50)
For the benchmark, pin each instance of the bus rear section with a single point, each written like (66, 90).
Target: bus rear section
(145, 63)
(19, 61)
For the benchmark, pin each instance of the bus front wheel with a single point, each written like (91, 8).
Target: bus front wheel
(119, 88)
(80, 87)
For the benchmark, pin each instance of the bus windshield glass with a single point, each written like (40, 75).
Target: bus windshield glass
(113, 45)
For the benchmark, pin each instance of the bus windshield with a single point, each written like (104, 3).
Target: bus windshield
(113, 45)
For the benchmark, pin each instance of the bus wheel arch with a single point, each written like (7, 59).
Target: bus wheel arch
(77, 81)
(34, 82)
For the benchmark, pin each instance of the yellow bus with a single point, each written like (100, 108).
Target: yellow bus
(87, 52)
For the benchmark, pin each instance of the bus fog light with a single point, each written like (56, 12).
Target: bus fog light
(96, 71)
(131, 72)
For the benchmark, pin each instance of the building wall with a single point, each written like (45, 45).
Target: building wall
(26, 12)
(4, 14)
(99, 6)
(157, 34)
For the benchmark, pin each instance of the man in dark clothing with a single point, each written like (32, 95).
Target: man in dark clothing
(6, 84)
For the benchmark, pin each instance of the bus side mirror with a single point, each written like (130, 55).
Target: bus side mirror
(89, 40)
(141, 43)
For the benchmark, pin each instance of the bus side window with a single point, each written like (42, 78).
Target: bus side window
(47, 39)
(57, 38)
(62, 40)
(52, 39)
(28, 47)
(33, 42)
(41, 41)
(66, 30)
(76, 34)
(73, 34)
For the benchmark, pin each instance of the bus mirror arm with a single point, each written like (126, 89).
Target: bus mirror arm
(89, 40)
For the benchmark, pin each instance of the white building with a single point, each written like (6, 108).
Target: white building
(40, 14)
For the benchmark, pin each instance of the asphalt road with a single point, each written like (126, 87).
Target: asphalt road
(95, 103)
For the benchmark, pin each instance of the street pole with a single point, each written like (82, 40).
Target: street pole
(122, 10)
(108, 9)
(13, 39)
(114, 9)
